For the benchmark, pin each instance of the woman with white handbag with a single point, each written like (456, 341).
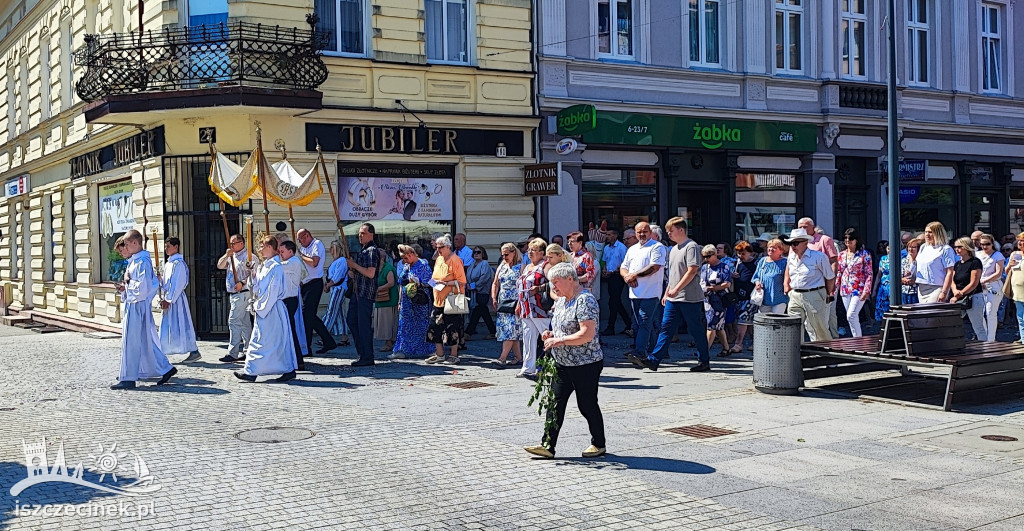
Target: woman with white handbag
(450, 302)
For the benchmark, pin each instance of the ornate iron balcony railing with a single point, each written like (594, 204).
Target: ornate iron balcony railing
(201, 57)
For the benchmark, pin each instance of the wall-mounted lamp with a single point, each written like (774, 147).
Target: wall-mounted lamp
(408, 110)
(500, 150)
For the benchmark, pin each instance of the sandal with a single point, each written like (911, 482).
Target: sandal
(736, 349)
(499, 362)
(435, 359)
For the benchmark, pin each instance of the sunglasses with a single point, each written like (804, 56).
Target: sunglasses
(707, 255)
(506, 255)
(476, 252)
(986, 245)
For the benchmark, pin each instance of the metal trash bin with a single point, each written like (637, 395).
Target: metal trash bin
(777, 367)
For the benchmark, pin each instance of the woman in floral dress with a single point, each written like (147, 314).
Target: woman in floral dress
(412, 318)
(504, 288)
(910, 271)
(854, 278)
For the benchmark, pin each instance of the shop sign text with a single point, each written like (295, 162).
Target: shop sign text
(541, 179)
(913, 170)
(636, 129)
(142, 146)
(411, 140)
(576, 120)
(17, 186)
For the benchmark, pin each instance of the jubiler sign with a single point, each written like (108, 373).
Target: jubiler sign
(542, 179)
(412, 140)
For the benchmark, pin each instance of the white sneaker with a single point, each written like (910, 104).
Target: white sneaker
(396, 356)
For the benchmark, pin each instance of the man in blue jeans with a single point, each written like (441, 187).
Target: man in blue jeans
(683, 301)
(643, 270)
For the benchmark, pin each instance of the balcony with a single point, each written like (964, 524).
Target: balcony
(862, 96)
(202, 66)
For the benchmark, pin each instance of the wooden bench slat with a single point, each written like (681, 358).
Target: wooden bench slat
(987, 380)
(967, 371)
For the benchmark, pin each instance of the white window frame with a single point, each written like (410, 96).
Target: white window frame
(49, 239)
(988, 35)
(367, 30)
(470, 35)
(913, 51)
(67, 66)
(24, 96)
(613, 10)
(852, 18)
(702, 49)
(789, 10)
(70, 252)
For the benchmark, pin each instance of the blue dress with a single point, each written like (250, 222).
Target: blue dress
(882, 300)
(508, 327)
(413, 318)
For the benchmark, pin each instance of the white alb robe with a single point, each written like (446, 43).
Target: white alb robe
(141, 355)
(270, 349)
(177, 335)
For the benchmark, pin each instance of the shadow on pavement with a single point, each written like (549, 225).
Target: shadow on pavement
(195, 386)
(631, 386)
(298, 382)
(622, 462)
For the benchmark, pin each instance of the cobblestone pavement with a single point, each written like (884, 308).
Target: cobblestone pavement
(396, 447)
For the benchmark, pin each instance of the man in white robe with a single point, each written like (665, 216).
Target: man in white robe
(141, 355)
(177, 335)
(270, 350)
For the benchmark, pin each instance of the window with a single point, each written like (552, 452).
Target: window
(618, 41)
(765, 202)
(447, 31)
(67, 73)
(70, 254)
(23, 95)
(917, 41)
(343, 22)
(49, 246)
(44, 78)
(789, 35)
(992, 59)
(854, 22)
(704, 35)
(209, 12)
(12, 115)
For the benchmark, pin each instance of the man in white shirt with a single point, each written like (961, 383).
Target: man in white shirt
(643, 271)
(808, 280)
(313, 255)
(293, 269)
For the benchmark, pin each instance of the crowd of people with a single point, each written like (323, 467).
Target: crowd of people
(425, 303)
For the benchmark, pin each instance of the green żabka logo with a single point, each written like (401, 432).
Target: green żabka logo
(714, 136)
(577, 120)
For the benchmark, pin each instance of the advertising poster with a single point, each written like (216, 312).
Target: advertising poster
(395, 198)
(116, 208)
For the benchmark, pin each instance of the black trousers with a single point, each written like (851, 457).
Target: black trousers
(481, 310)
(583, 380)
(615, 307)
(311, 293)
(292, 304)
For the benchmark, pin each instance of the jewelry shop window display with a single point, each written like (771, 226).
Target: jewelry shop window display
(406, 204)
(116, 218)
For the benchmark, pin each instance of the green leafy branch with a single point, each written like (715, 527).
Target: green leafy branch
(544, 396)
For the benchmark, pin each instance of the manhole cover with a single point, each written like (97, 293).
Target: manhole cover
(1000, 438)
(274, 435)
(700, 431)
(470, 385)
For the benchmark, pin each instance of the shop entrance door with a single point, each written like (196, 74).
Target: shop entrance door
(192, 212)
(622, 197)
(704, 213)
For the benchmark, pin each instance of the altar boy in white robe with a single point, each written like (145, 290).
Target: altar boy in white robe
(141, 355)
(177, 335)
(270, 350)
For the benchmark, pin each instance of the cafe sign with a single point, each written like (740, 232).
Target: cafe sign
(636, 129)
(542, 179)
(576, 120)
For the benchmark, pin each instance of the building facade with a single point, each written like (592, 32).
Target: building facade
(743, 117)
(106, 128)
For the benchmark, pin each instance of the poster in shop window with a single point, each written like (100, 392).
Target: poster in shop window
(394, 198)
(116, 208)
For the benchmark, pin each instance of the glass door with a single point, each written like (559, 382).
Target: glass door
(621, 197)
(703, 211)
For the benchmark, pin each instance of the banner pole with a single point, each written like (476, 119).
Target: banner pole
(334, 202)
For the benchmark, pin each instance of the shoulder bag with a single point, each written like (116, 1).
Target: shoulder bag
(456, 303)
(507, 306)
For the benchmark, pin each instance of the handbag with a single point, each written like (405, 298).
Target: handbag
(757, 297)
(383, 295)
(546, 300)
(507, 306)
(729, 298)
(1007, 288)
(456, 303)
(416, 294)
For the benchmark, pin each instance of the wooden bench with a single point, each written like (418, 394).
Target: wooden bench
(930, 336)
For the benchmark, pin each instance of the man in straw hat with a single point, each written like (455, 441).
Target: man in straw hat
(808, 280)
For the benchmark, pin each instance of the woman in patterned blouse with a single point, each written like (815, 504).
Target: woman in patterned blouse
(854, 279)
(574, 345)
(533, 282)
(582, 260)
